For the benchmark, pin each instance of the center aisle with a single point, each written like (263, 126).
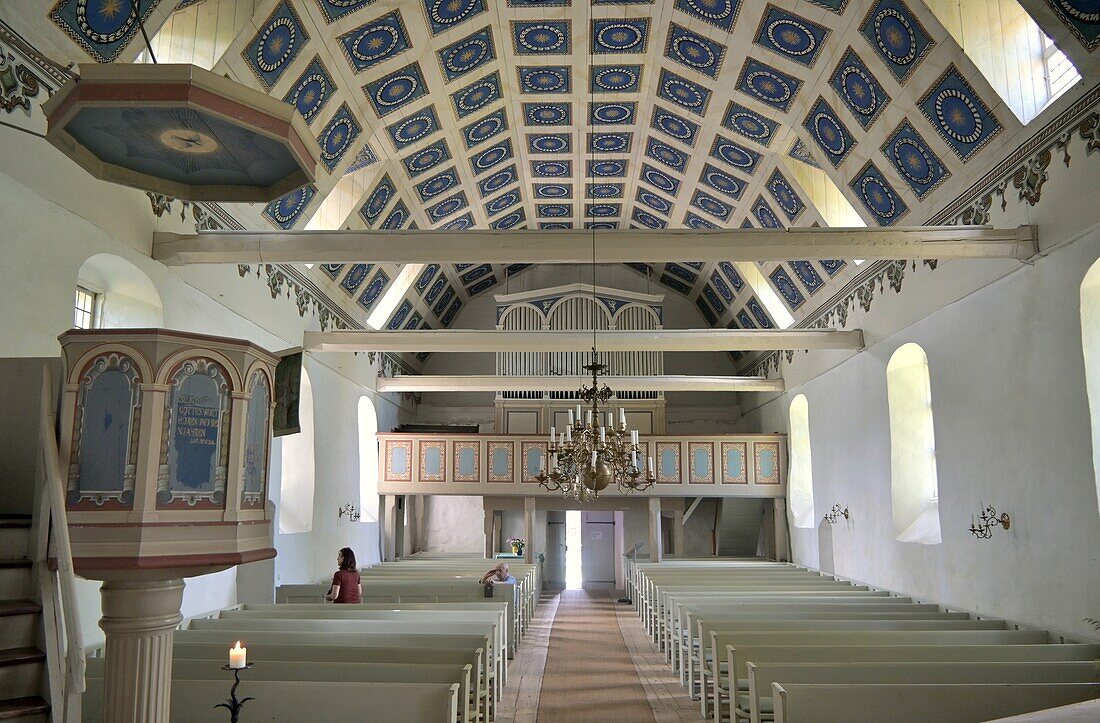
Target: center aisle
(589, 673)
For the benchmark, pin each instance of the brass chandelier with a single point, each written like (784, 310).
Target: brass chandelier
(588, 457)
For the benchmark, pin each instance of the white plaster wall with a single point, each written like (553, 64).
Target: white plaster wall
(453, 524)
(1012, 429)
(54, 218)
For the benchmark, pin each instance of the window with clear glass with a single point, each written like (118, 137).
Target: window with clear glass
(914, 485)
(86, 303)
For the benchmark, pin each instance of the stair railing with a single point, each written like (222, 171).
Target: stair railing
(52, 557)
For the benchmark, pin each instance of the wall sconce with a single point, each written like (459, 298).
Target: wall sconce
(351, 511)
(983, 528)
(836, 513)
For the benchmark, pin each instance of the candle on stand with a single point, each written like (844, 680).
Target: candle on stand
(568, 434)
(570, 417)
(603, 435)
(553, 434)
(542, 464)
(651, 467)
(611, 419)
(578, 414)
(237, 656)
(634, 436)
(588, 417)
(622, 416)
(633, 459)
(593, 459)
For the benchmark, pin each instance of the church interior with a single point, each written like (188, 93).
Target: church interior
(525, 361)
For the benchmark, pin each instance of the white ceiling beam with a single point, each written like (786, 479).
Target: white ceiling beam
(497, 383)
(575, 245)
(478, 340)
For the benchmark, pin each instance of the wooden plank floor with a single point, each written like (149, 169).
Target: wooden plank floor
(520, 700)
(668, 699)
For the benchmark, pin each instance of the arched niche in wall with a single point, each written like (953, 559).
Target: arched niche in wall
(800, 481)
(914, 484)
(126, 297)
(368, 459)
(1090, 346)
(298, 468)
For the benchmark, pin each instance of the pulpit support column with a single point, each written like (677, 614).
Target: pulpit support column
(139, 620)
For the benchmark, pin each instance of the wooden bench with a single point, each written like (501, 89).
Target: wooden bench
(738, 658)
(250, 629)
(762, 675)
(488, 677)
(313, 671)
(916, 703)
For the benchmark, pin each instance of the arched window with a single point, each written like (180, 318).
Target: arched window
(298, 470)
(1090, 344)
(368, 459)
(800, 485)
(913, 483)
(112, 293)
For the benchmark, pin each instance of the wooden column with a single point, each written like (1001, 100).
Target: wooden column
(655, 553)
(529, 529)
(782, 542)
(678, 533)
(487, 526)
(399, 526)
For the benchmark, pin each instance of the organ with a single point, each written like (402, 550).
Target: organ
(571, 307)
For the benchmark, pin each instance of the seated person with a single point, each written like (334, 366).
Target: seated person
(346, 586)
(498, 574)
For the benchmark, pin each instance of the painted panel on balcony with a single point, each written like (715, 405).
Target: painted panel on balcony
(431, 460)
(398, 460)
(466, 462)
(702, 467)
(534, 456)
(733, 456)
(668, 462)
(767, 462)
(500, 461)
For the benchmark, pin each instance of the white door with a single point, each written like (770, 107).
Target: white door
(555, 549)
(598, 547)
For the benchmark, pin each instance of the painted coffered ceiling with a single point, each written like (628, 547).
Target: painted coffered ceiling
(549, 114)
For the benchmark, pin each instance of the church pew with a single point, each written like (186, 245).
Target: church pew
(478, 696)
(706, 668)
(348, 612)
(240, 628)
(704, 676)
(677, 625)
(762, 675)
(488, 678)
(294, 701)
(401, 592)
(688, 643)
(318, 671)
(921, 703)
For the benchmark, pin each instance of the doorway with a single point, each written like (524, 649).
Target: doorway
(580, 549)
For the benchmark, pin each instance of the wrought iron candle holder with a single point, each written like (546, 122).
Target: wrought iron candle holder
(351, 511)
(833, 515)
(982, 528)
(232, 703)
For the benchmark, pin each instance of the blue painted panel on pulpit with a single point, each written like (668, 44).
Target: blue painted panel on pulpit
(255, 445)
(467, 461)
(108, 406)
(197, 407)
(433, 461)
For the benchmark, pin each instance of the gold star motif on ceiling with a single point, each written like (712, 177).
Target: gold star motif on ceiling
(913, 160)
(859, 92)
(790, 36)
(110, 8)
(894, 37)
(958, 117)
(374, 43)
(276, 44)
(454, 5)
(309, 96)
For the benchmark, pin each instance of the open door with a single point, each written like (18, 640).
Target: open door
(555, 549)
(598, 549)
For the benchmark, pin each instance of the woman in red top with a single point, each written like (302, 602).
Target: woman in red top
(346, 587)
